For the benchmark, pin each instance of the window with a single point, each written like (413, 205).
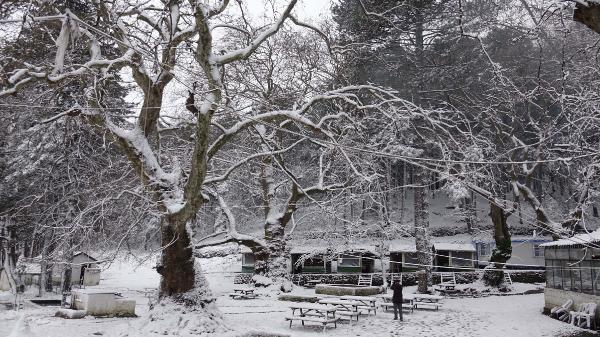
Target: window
(462, 259)
(537, 250)
(248, 259)
(349, 261)
(485, 248)
(315, 261)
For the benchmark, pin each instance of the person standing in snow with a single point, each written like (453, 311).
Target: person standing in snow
(397, 298)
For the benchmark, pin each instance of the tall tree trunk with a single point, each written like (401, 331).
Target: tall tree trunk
(422, 235)
(177, 261)
(503, 251)
(65, 284)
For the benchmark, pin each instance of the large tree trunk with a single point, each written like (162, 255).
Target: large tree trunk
(177, 261)
(503, 251)
(271, 260)
(421, 205)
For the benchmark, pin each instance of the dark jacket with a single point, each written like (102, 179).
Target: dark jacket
(397, 297)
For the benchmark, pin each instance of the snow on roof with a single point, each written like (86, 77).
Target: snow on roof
(459, 247)
(28, 266)
(403, 245)
(305, 249)
(82, 253)
(579, 239)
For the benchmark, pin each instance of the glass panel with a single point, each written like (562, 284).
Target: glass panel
(596, 276)
(316, 261)
(248, 259)
(566, 275)
(562, 253)
(575, 277)
(576, 254)
(349, 261)
(586, 277)
(549, 274)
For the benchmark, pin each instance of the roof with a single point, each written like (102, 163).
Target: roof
(457, 247)
(82, 253)
(328, 247)
(579, 239)
(28, 266)
(403, 245)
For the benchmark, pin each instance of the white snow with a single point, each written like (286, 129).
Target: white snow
(458, 247)
(494, 316)
(579, 239)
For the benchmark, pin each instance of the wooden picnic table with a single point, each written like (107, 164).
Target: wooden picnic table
(311, 283)
(242, 292)
(407, 302)
(425, 299)
(367, 302)
(344, 307)
(313, 313)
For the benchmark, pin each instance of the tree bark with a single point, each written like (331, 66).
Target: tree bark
(503, 250)
(422, 235)
(177, 261)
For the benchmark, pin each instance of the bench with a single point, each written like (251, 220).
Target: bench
(348, 314)
(324, 321)
(368, 308)
(447, 282)
(390, 306)
(242, 296)
(437, 305)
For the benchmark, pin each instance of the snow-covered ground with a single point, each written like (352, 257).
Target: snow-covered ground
(500, 316)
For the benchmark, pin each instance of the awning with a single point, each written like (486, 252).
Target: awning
(455, 247)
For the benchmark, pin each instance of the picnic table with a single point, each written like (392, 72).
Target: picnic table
(242, 292)
(425, 299)
(407, 302)
(311, 283)
(344, 308)
(313, 313)
(367, 302)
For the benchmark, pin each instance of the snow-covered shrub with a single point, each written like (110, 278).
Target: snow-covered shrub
(261, 281)
(286, 286)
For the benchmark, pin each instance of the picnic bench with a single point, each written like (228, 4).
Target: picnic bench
(348, 309)
(425, 299)
(311, 283)
(322, 314)
(366, 302)
(407, 303)
(447, 282)
(242, 293)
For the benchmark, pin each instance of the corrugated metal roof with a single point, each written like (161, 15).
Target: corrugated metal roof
(579, 239)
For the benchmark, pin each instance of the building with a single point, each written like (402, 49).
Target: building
(527, 252)
(454, 256)
(573, 271)
(460, 252)
(85, 270)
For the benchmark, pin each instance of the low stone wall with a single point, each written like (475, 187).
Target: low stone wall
(556, 297)
(242, 278)
(410, 279)
(347, 289)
